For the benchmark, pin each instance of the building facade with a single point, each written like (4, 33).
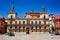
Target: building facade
(32, 22)
(57, 23)
(51, 23)
(3, 26)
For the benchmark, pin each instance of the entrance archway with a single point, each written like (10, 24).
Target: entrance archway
(27, 30)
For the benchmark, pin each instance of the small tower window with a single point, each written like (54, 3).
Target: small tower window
(11, 16)
(44, 17)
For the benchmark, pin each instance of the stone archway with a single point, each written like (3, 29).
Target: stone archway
(27, 30)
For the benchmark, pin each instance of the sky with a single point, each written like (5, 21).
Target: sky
(23, 6)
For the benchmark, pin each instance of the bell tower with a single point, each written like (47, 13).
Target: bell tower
(12, 13)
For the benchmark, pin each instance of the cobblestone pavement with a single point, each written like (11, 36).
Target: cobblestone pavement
(30, 37)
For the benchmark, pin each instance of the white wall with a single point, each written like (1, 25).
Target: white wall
(14, 15)
(42, 16)
(28, 16)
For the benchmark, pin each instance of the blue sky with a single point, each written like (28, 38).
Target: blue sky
(23, 6)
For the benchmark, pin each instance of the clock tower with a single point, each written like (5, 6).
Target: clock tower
(12, 14)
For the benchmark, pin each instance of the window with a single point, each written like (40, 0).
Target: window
(31, 22)
(32, 28)
(10, 22)
(23, 22)
(44, 17)
(44, 22)
(40, 28)
(19, 28)
(35, 22)
(39, 22)
(23, 29)
(15, 22)
(36, 28)
(44, 28)
(11, 16)
(15, 28)
(19, 22)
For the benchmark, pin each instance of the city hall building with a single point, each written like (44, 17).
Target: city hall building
(32, 22)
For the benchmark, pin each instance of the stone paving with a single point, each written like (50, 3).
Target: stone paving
(41, 36)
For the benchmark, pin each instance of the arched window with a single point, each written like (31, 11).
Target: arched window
(39, 22)
(31, 22)
(44, 22)
(19, 28)
(23, 28)
(44, 17)
(15, 28)
(10, 22)
(40, 28)
(35, 22)
(19, 22)
(44, 28)
(32, 28)
(36, 28)
(15, 22)
(23, 22)
(11, 16)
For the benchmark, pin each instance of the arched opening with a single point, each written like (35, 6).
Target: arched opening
(44, 17)
(27, 30)
(11, 16)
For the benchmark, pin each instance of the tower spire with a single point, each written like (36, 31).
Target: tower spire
(43, 9)
(32, 10)
(12, 5)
